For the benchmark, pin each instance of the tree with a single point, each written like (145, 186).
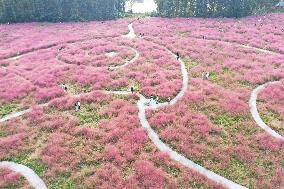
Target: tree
(59, 10)
(211, 8)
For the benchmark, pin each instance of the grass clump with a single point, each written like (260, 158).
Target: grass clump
(63, 182)
(6, 109)
(88, 114)
(224, 120)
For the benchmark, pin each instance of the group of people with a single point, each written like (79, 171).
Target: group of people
(152, 98)
(64, 87)
(77, 104)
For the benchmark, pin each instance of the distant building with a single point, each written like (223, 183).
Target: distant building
(280, 4)
(140, 6)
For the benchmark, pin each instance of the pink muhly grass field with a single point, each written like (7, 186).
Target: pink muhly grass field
(103, 145)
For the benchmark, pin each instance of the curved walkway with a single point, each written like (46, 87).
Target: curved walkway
(127, 62)
(261, 50)
(255, 113)
(29, 174)
(145, 103)
(136, 56)
(131, 34)
(21, 113)
(242, 45)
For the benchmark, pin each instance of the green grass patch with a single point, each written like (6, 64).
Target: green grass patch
(88, 114)
(214, 77)
(282, 162)
(232, 123)
(183, 33)
(35, 164)
(14, 185)
(63, 182)
(19, 158)
(239, 172)
(6, 109)
(3, 133)
(189, 64)
(224, 120)
(75, 89)
(173, 170)
(244, 83)
(269, 116)
(226, 70)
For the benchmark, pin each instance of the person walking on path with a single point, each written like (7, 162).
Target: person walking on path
(132, 90)
(205, 75)
(177, 56)
(61, 48)
(78, 106)
(64, 87)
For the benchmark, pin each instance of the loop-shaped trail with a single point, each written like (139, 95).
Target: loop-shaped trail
(255, 113)
(33, 179)
(145, 103)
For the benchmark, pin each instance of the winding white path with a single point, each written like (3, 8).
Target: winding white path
(19, 114)
(131, 34)
(255, 113)
(127, 62)
(260, 50)
(29, 174)
(145, 103)
(164, 147)
(242, 45)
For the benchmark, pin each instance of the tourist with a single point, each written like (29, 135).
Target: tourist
(157, 100)
(132, 90)
(151, 98)
(60, 49)
(169, 99)
(205, 75)
(64, 87)
(77, 106)
(177, 54)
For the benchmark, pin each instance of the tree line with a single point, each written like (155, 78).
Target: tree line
(59, 10)
(212, 8)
